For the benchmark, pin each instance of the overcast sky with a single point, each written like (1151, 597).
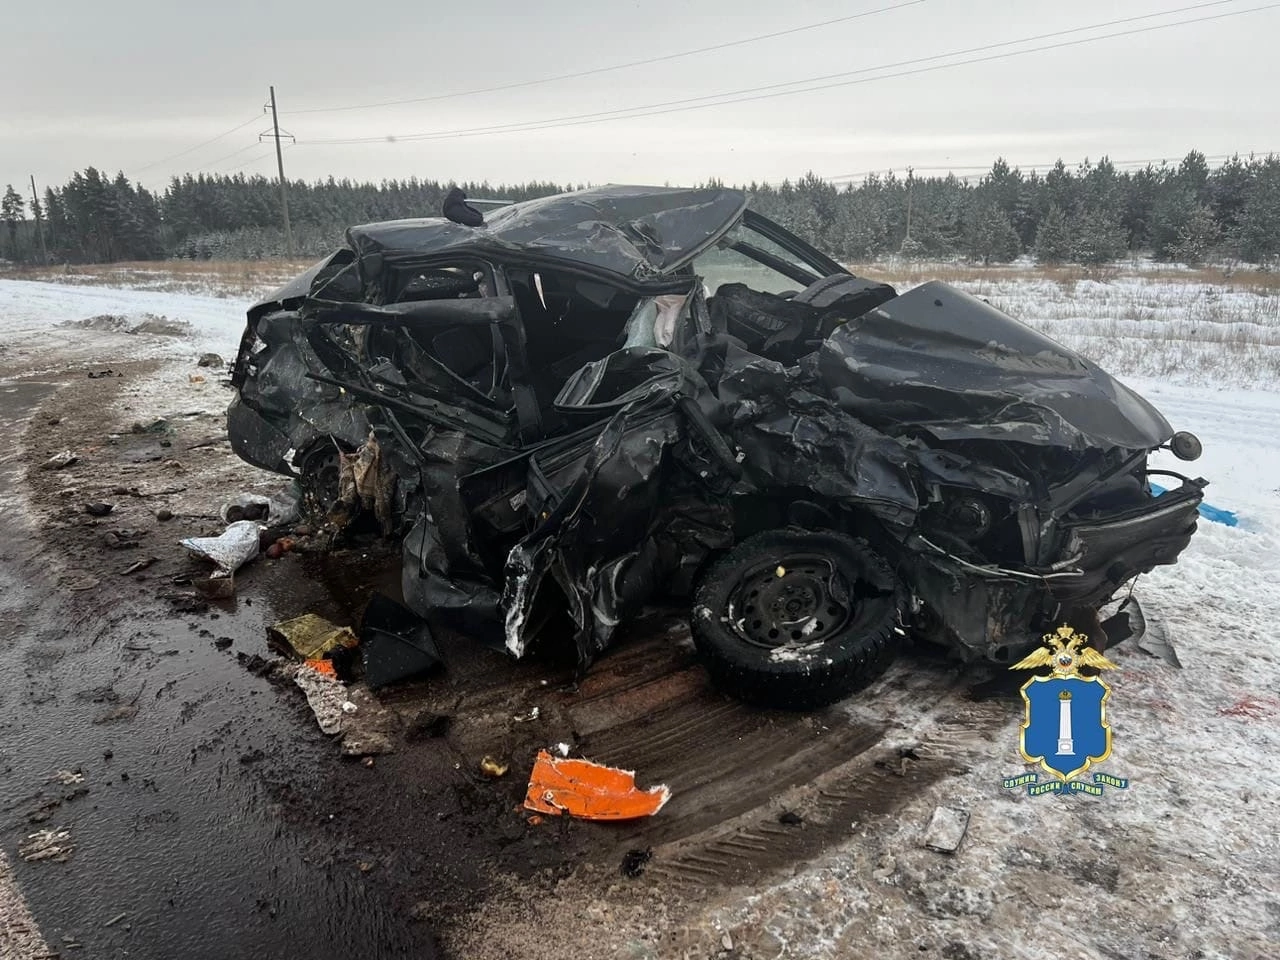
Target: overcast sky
(123, 85)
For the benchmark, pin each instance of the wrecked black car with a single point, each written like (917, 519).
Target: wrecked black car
(579, 404)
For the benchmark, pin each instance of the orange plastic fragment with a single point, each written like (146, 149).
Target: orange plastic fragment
(589, 790)
(323, 667)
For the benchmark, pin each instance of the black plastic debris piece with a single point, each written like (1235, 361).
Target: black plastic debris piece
(344, 660)
(98, 509)
(456, 208)
(251, 511)
(790, 818)
(634, 861)
(396, 643)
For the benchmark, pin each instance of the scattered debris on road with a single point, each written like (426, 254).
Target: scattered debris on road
(231, 549)
(311, 636)
(946, 829)
(395, 643)
(493, 768)
(60, 461)
(1155, 641)
(276, 511)
(634, 862)
(158, 426)
(589, 791)
(52, 845)
(123, 539)
(325, 696)
(139, 566)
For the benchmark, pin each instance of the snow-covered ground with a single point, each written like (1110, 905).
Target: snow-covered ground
(1184, 862)
(32, 312)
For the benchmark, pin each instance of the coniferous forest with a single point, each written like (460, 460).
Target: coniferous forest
(1092, 213)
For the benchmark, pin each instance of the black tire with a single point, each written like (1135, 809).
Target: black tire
(797, 618)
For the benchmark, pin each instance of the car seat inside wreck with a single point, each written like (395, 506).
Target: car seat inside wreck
(591, 402)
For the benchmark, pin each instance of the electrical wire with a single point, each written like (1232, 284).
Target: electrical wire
(617, 66)
(262, 156)
(235, 153)
(183, 153)
(752, 94)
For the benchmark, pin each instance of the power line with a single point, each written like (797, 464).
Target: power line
(262, 156)
(617, 66)
(183, 153)
(751, 94)
(235, 153)
(748, 94)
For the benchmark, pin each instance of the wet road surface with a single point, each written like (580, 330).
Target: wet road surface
(178, 768)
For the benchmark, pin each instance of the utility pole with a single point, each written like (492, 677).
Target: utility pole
(35, 210)
(910, 184)
(284, 189)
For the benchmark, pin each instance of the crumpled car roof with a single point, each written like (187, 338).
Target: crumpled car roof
(637, 233)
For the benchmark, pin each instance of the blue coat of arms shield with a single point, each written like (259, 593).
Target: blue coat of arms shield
(1065, 729)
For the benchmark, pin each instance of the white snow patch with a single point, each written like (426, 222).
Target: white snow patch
(33, 314)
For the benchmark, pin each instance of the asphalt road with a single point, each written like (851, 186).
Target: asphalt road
(172, 768)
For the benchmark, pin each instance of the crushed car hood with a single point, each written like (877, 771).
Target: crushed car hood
(939, 362)
(636, 233)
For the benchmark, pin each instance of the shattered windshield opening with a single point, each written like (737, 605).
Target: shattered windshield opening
(746, 256)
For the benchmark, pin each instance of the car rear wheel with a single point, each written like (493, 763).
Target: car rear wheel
(797, 618)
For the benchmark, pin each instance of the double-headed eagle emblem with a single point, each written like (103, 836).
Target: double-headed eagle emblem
(1064, 650)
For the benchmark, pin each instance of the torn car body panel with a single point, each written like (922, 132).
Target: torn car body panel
(582, 401)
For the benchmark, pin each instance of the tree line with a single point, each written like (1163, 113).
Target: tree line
(1092, 213)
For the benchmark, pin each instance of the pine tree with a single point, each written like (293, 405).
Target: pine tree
(1096, 237)
(11, 213)
(1169, 217)
(1053, 238)
(1197, 237)
(990, 236)
(1256, 238)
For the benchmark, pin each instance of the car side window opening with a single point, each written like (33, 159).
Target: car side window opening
(568, 322)
(471, 352)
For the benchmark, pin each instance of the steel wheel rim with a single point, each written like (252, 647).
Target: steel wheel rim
(797, 600)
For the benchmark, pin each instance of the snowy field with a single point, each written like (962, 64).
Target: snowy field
(1184, 862)
(1199, 327)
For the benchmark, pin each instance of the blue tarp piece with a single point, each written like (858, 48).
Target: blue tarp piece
(1209, 512)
